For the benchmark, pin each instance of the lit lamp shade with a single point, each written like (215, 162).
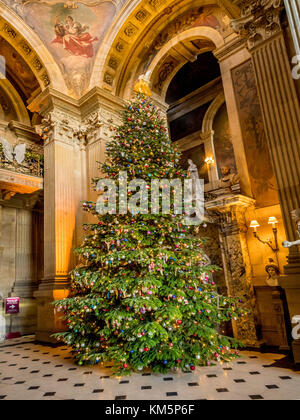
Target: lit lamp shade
(254, 224)
(272, 221)
(209, 160)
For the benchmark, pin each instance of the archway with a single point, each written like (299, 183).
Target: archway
(132, 44)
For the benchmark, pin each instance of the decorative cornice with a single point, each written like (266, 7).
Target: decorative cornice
(228, 212)
(259, 21)
(225, 203)
(23, 131)
(231, 47)
(51, 99)
(98, 98)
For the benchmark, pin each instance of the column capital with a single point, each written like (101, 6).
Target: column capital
(60, 116)
(59, 126)
(259, 21)
(90, 128)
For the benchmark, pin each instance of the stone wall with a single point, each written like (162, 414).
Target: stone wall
(21, 259)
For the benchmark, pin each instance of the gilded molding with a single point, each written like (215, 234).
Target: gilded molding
(24, 49)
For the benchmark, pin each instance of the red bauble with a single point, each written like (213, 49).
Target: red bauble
(192, 367)
(125, 366)
(178, 360)
(179, 322)
(146, 349)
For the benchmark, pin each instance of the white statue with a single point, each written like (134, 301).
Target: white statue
(195, 193)
(11, 153)
(192, 173)
(296, 217)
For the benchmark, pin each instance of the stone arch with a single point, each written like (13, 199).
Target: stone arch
(202, 32)
(211, 113)
(120, 58)
(27, 43)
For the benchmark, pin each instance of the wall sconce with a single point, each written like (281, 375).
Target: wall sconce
(209, 161)
(272, 221)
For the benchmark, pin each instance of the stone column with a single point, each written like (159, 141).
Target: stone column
(23, 286)
(74, 133)
(25, 281)
(237, 267)
(101, 113)
(292, 8)
(60, 123)
(260, 25)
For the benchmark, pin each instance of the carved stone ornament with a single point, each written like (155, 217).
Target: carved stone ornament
(57, 126)
(92, 123)
(273, 272)
(259, 21)
(229, 214)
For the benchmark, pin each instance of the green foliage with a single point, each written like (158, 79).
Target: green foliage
(143, 295)
(34, 157)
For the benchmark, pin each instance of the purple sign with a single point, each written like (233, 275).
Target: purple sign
(12, 305)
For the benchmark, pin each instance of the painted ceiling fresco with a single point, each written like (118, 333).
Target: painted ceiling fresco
(72, 32)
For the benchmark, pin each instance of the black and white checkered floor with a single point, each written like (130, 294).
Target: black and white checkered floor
(30, 371)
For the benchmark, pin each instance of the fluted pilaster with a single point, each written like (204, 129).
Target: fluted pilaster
(292, 8)
(282, 120)
(260, 25)
(24, 270)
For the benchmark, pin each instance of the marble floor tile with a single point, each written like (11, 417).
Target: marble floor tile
(31, 371)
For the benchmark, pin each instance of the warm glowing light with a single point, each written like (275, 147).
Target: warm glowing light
(254, 224)
(272, 221)
(209, 160)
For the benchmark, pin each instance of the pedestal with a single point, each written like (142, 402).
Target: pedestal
(49, 321)
(231, 220)
(291, 285)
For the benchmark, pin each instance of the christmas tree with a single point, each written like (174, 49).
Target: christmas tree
(143, 295)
